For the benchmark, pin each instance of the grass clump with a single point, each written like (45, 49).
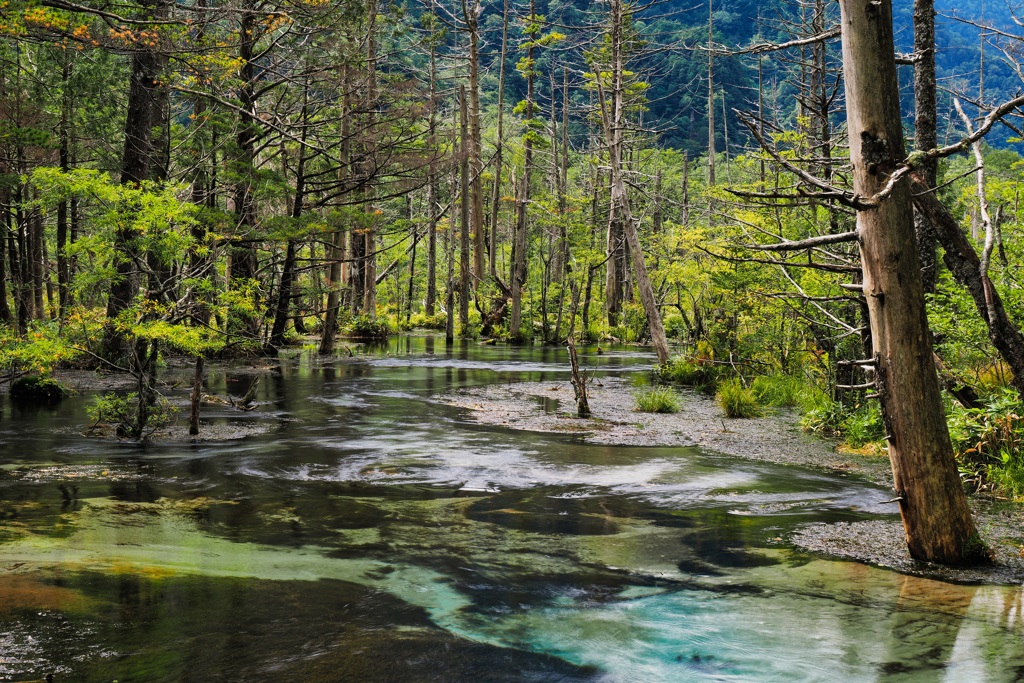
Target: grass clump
(701, 374)
(737, 401)
(657, 400)
(780, 391)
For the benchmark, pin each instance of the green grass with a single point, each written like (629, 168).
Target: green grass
(657, 400)
(737, 401)
(701, 375)
(780, 391)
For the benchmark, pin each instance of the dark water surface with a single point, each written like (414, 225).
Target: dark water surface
(373, 533)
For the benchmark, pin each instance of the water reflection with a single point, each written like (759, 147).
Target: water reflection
(373, 533)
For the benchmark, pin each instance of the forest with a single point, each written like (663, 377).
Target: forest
(228, 180)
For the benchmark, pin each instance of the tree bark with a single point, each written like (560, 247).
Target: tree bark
(614, 115)
(932, 502)
(925, 130)
(465, 268)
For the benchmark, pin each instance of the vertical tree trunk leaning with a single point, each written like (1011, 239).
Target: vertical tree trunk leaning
(925, 133)
(932, 502)
(519, 262)
(471, 14)
(613, 116)
(465, 151)
(492, 249)
(336, 247)
(431, 294)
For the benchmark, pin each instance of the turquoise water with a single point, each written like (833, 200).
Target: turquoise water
(371, 532)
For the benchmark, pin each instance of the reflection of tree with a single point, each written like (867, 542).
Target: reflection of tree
(923, 628)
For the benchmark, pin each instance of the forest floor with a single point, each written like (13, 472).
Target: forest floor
(777, 438)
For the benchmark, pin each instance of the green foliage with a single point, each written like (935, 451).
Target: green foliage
(658, 399)
(736, 400)
(782, 391)
(989, 443)
(37, 388)
(691, 371)
(428, 322)
(367, 327)
(41, 350)
(859, 426)
(125, 412)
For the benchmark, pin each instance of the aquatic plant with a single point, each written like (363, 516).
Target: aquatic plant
(737, 401)
(657, 400)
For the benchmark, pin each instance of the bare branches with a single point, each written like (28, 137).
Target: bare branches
(809, 243)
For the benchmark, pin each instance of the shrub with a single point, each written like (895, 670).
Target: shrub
(128, 415)
(736, 400)
(367, 327)
(657, 400)
(675, 327)
(863, 425)
(989, 443)
(37, 388)
(592, 334)
(430, 322)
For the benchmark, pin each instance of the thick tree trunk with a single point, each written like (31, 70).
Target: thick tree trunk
(932, 502)
(244, 263)
(519, 274)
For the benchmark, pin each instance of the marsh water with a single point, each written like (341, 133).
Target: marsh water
(364, 530)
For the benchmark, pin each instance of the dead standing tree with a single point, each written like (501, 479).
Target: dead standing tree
(933, 505)
(932, 502)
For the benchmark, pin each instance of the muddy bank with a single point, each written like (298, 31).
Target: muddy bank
(549, 407)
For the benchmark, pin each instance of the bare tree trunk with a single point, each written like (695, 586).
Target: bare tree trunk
(499, 146)
(613, 117)
(465, 275)
(711, 96)
(431, 294)
(336, 249)
(932, 502)
(471, 14)
(196, 398)
(925, 132)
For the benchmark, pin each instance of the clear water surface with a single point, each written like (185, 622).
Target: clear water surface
(373, 533)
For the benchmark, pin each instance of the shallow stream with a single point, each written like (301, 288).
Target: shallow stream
(367, 531)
